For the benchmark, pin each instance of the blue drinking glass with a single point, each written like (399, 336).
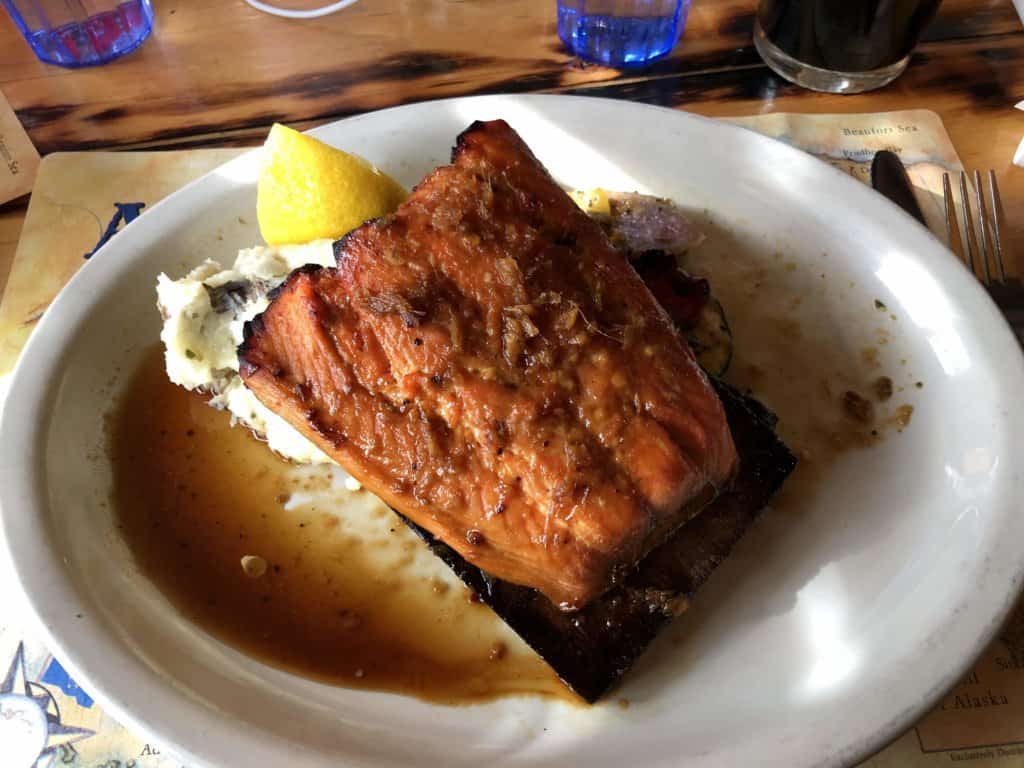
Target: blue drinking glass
(82, 33)
(621, 33)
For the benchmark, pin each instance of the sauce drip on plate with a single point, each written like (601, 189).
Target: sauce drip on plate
(286, 564)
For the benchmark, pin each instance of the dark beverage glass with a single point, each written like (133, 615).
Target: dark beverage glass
(840, 46)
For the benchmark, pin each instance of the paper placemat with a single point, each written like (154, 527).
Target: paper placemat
(81, 199)
(18, 157)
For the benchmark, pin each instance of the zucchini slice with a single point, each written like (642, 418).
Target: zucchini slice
(711, 338)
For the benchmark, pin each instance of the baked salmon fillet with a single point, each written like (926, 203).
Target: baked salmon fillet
(488, 364)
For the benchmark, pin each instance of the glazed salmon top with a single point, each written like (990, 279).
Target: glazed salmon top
(486, 362)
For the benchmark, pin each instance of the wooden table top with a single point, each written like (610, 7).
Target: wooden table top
(218, 72)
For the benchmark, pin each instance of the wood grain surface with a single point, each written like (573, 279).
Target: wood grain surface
(217, 65)
(11, 217)
(216, 72)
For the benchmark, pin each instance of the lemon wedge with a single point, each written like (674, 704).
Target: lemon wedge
(308, 190)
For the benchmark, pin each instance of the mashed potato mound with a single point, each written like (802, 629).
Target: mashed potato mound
(204, 313)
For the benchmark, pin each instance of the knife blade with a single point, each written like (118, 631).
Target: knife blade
(889, 177)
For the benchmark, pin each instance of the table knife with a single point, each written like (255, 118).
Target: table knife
(889, 177)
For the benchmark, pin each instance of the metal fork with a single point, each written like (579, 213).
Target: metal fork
(974, 236)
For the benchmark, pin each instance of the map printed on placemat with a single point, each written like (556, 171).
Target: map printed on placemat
(985, 711)
(82, 199)
(47, 720)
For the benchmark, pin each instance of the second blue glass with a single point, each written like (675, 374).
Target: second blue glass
(621, 33)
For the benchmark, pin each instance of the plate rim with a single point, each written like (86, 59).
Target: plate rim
(27, 537)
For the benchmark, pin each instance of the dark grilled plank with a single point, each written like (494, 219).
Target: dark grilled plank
(592, 648)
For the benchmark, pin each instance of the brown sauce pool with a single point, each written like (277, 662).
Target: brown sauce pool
(339, 590)
(335, 588)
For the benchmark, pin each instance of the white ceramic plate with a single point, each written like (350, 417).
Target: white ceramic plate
(826, 634)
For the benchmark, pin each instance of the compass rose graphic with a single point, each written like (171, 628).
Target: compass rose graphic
(31, 730)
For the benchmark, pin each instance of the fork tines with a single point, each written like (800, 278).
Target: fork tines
(974, 231)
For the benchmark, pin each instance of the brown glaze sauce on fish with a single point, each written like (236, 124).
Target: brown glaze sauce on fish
(490, 366)
(194, 496)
